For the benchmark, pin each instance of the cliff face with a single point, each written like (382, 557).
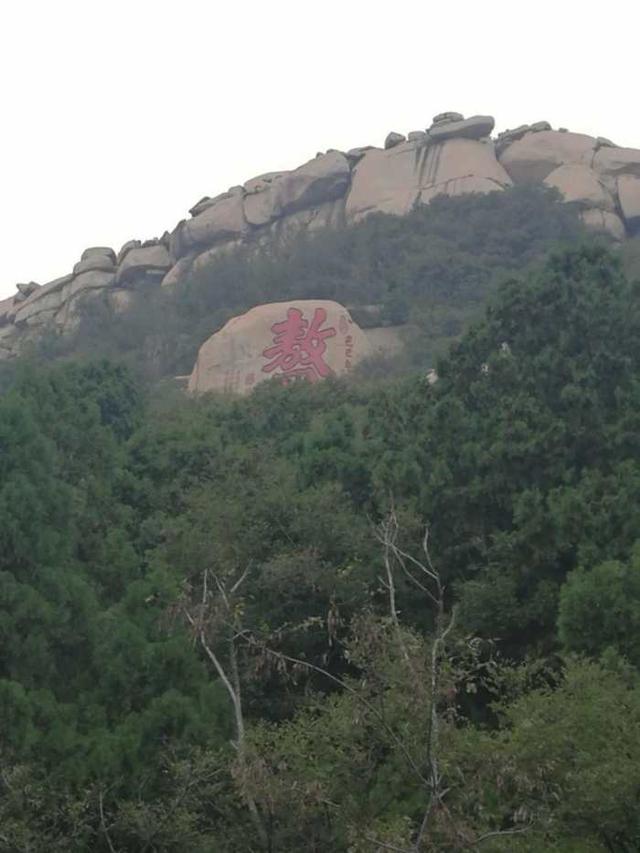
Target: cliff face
(453, 157)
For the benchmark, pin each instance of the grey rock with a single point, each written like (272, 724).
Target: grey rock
(130, 244)
(475, 127)
(443, 118)
(394, 139)
(28, 288)
(143, 262)
(539, 126)
(98, 252)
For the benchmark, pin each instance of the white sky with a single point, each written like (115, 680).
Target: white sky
(118, 116)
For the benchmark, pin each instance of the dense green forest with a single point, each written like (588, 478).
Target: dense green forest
(364, 615)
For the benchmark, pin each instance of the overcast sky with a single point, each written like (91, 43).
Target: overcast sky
(118, 116)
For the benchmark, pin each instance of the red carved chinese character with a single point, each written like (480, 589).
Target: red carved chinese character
(299, 346)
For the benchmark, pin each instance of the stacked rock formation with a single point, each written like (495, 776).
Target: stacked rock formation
(452, 157)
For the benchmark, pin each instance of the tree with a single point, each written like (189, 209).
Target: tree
(600, 609)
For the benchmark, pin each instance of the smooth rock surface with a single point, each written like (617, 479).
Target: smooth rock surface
(302, 339)
(27, 288)
(146, 260)
(476, 127)
(532, 158)
(445, 118)
(393, 181)
(604, 222)
(224, 220)
(629, 195)
(394, 139)
(616, 161)
(321, 180)
(581, 185)
(98, 252)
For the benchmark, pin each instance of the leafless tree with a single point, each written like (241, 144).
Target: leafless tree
(216, 620)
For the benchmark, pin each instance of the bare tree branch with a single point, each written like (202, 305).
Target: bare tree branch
(231, 682)
(103, 823)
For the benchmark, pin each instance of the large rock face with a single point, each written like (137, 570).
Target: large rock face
(393, 181)
(453, 156)
(533, 157)
(303, 339)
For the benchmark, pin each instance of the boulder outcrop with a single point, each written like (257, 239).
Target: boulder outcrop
(476, 127)
(454, 156)
(148, 262)
(535, 155)
(302, 339)
(582, 185)
(393, 181)
(629, 195)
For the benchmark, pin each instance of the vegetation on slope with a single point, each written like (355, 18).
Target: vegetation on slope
(179, 576)
(433, 269)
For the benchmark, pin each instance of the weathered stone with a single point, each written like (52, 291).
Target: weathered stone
(327, 215)
(261, 208)
(394, 139)
(207, 201)
(120, 300)
(42, 318)
(533, 157)
(417, 136)
(26, 289)
(443, 118)
(222, 221)
(581, 185)
(508, 136)
(541, 126)
(353, 155)
(251, 348)
(202, 205)
(385, 181)
(9, 339)
(130, 244)
(461, 186)
(178, 272)
(47, 298)
(321, 180)
(393, 181)
(604, 222)
(97, 258)
(98, 252)
(476, 127)
(5, 307)
(262, 182)
(629, 195)
(617, 161)
(89, 280)
(202, 261)
(144, 261)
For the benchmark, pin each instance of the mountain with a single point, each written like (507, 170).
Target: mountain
(455, 157)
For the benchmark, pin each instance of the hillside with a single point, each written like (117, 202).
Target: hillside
(396, 609)
(223, 628)
(453, 158)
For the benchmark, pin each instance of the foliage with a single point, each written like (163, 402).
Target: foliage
(433, 269)
(119, 503)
